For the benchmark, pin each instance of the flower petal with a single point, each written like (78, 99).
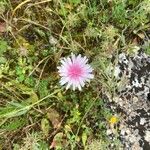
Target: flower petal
(75, 71)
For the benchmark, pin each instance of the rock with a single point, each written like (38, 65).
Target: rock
(132, 99)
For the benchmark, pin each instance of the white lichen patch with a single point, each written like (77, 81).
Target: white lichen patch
(147, 136)
(132, 98)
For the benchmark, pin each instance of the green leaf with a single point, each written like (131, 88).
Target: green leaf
(14, 124)
(21, 78)
(45, 126)
(3, 47)
(84, 138)
(30, 81)
(75, 1)
(43, 90)
(12, 111)
(19, 70)
(40, 32)
(75, 116)
(3, 60)
(43, 145)
(2, 7)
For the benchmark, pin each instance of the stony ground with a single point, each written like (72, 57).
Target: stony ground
(132, 100)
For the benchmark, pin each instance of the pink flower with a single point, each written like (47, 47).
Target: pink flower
(75, 71)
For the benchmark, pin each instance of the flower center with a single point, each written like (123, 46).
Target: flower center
(74, 71)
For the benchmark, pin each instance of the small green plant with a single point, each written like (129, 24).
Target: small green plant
(32, 141)
(3, 49)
